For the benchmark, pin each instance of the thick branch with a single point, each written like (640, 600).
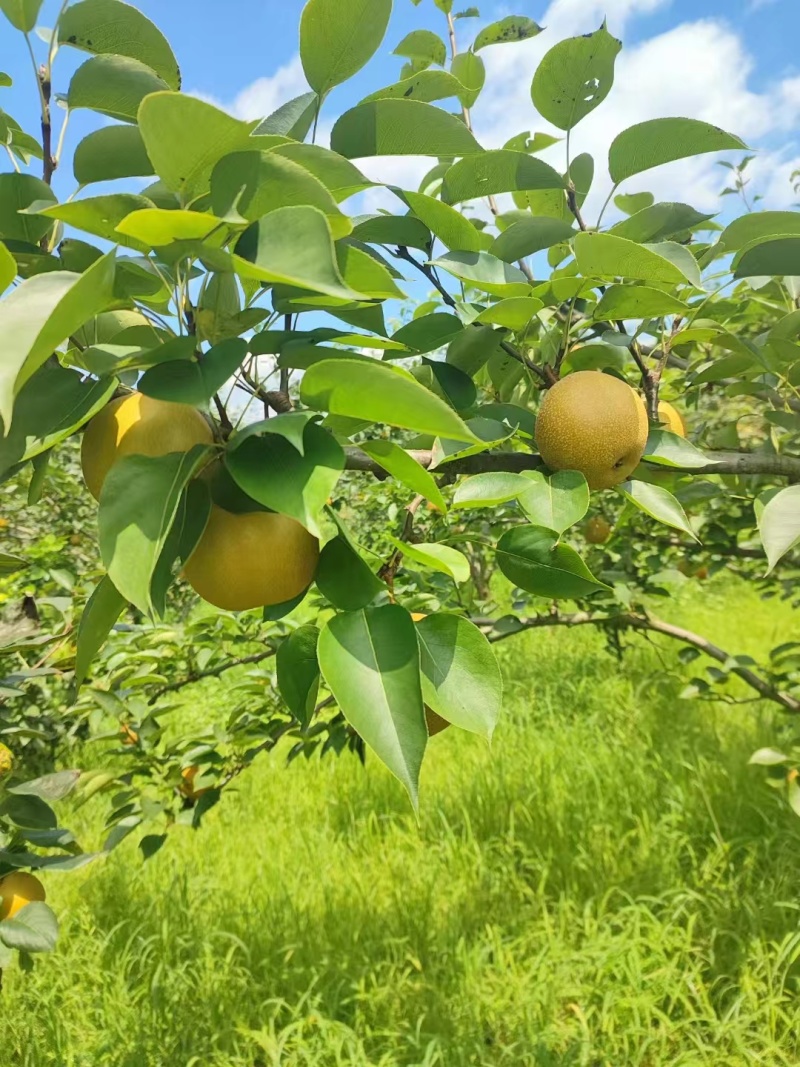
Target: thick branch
(651, 625)
(213, 672)
(719, 463)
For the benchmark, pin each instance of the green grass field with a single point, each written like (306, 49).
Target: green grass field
(610, 885)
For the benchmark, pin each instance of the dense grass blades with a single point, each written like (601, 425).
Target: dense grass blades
(610, 885)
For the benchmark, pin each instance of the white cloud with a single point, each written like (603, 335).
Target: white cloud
(265, 95)
(700, 69)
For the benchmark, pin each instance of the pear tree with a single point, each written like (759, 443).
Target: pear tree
(342, 454)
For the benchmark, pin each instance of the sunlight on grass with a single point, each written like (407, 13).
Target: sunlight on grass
(610, 885)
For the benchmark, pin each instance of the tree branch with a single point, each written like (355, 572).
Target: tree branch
(544, 374)
(719, 463)
(213, 672)
(643, 623)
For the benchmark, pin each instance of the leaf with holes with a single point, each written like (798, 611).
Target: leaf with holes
(574, 77)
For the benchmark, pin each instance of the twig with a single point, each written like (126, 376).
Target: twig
(572, 201)
(224, 420)
(645, 623)
(213, 672)
(389, 569)
(545, 374)
(741, 463)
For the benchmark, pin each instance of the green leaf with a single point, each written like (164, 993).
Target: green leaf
(472, 349)
(195, 381)
(574, 77)
(344, 578)
(514, 313)
(252, 184)
(8, 268)
(605, 256)
(100, 215)
(138, 505)
(469, 69)
(633, 202)
(649, 144)
(425, 85)
(102, 610)
(22, 14)
(506, 31)
(428, 333)
(380, 393)
(18, 192)
(297, 669)
(779, 257)
(659, 504)
(110, 153)
(403, 467)
(33, 929)
(29, 811)
(291, 425)
(11, 564)
(40, 315)
(485, 272)
(768, 757)
(272, 471)
(392, 230)
(339, 37)
(334, 171)
(454, 231)
(113, 85)
(294, 246)
(557, 502)
(531, 558)
(438, 557)
(52, 404)
(489, 490)
(636, 302)
(116, 28)
(500, 171)
(779, 523)
(370, 660)
(185, 138)
(401, 128)
(758, 226)
(658, 221)
(461, 678)
(49, 788)
(671, 450)
(292, 119)
(528, 236)
(364, 274)
(423, 44)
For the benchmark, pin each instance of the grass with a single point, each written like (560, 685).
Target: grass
(610, 885)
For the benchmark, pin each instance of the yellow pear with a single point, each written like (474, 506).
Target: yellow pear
(598, 530)
(251, 560)
(138, 425)
(16, 891)
(671, 418)
(6, 759)
(593, 423)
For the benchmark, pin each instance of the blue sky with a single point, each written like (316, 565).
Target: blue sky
(735, 63)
